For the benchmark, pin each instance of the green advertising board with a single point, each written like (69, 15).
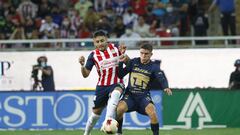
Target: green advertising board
(201, 109)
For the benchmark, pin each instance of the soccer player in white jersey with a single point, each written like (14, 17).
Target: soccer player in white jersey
(109, 87)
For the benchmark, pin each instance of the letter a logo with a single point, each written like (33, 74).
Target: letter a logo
(194, 103)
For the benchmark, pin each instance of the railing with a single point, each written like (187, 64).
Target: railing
(190, 41)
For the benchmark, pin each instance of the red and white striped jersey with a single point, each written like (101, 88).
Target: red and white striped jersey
(106, 63)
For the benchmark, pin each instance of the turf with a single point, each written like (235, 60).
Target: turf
(225, 131)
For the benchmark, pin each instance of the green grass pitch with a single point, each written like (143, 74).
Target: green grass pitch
(223, 131)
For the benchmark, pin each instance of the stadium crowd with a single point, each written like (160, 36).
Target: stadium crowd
(70, 19)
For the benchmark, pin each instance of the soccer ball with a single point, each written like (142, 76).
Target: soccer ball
(110, 126)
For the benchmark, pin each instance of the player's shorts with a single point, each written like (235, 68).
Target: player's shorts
(102, 94)
(137, 102)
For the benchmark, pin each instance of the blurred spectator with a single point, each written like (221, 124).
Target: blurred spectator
(100, 5)
(104, 24)
(27, 9)
(15, 16)
(75, 19)
(64, 5)
(139, 6)
(181, 6)
(130, 35)
(65, 28)
(119, 27)
(42, 74)
(141, 27)
(8, 27)
(91, 19)
(228, 16)
(84, 33)
(57, 16)
(193, 7)
(110, 14)
(29, 26)
(82, 6)
(2, 24)
(119, 6)
(159, 8)
(48, 28)
(171, 21)
(234, 82)
(200, 25)
(5, 7)
(158, 30)
(129, 18)
(15, 3)
(68, 32)
(18, 33)
(45, 8)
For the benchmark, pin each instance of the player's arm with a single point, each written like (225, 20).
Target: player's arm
(86, 69)
(122, 71)
(160, 75)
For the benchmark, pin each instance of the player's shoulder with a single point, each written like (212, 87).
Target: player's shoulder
(156, 61)
(91, 55)
(110, 44)
(156, 64)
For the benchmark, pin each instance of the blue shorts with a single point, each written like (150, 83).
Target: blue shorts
(136, 102)
(102, 94)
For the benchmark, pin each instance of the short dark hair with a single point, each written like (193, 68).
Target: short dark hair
(100, 33)
(42, 57)
(147, 46)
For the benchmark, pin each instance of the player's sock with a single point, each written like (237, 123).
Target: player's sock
(91, 123)
(120, 122)
(155, 128)
(112, 104)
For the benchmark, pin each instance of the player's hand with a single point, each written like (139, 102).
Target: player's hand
(124, 58)
(81, 60)
(122, 48)
(168, 91)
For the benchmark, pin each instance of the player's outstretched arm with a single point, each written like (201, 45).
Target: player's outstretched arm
(84, 70)
(124, 71)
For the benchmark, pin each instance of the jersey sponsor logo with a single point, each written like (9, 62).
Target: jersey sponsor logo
(109, 63)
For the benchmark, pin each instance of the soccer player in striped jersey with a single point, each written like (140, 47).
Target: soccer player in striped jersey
(142, 72)
(109, 87)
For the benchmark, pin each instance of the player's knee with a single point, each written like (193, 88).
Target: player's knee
(119, 89)
(97, 111)
(151, 111)
(121, 108)
(153, 116)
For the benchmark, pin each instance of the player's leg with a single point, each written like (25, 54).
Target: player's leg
(151, 112)
(126, 104)
(121, 109)
(113, 100)
(100, 101)
(146, 107)
(92, 120)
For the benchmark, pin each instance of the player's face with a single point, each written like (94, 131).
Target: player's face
(100, 42)
(145, 56)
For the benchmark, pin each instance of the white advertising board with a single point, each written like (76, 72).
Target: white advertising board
(185, 68)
